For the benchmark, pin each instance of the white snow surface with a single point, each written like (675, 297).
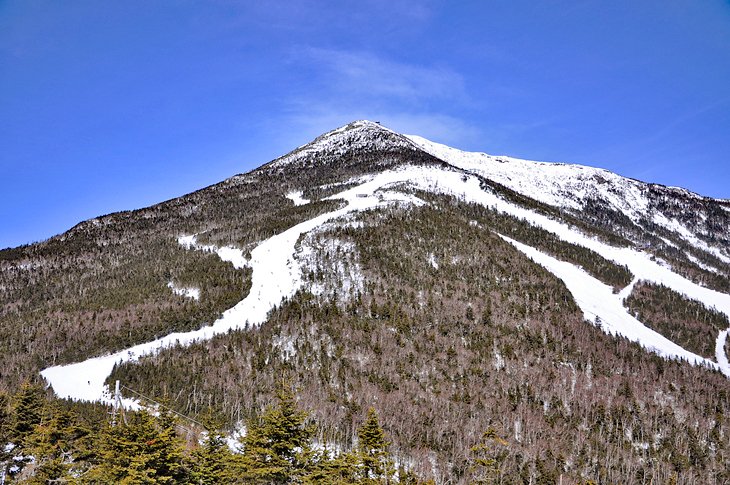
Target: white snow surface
(720, 354)
(358, 135)
(565, 185)
(557, 184)
(297, 198)
(679, 228)
(193, 293)
(341, 263)
(601, 306)
(228, 254)
(277, 275)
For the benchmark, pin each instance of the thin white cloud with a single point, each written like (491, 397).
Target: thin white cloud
(408, 98)
(364, 74)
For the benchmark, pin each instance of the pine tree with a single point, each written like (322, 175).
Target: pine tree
(340, 469)
(144, 450)
(486, 458)
(372, 450)
(5, 416)
(56, 444)
(212, 460)
(28, 411)
(276, 448)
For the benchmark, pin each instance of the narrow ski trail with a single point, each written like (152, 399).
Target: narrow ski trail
(602, 307)
(277, 275)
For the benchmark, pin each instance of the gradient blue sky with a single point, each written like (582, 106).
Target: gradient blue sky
(106, 106)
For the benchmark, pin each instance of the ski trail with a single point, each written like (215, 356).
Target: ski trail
(601, 306)
(624, 293)
(276, 275)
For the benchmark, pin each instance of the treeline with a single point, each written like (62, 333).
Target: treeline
(45, 441)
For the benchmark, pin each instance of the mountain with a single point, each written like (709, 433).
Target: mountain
(579, 315)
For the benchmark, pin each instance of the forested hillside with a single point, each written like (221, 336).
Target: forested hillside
(418, 340)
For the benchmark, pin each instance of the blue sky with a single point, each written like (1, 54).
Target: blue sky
(107, 106)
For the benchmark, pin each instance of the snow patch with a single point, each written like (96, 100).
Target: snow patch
(432, 261)
(701, 264)
(228, 254)
(285, 344)
(193, 293)
(676, 226)
(297, 198)
(720, 354)
(338, 260)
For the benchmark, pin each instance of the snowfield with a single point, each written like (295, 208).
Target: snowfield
(277, 274)
(193, 293)
(297, 198)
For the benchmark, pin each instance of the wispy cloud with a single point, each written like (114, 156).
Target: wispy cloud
(364, 74)
(407, 97)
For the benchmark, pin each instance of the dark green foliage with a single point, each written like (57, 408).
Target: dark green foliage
(212, 460)
(145, 449)
(61, 447)
(373, 459)
(5, 415)
(612, 274)
(276, 446)
(684, 321)
(28, 412)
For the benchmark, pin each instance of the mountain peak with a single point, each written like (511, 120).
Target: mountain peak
(359, 135)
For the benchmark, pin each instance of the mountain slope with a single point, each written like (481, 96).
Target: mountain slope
(465, 290)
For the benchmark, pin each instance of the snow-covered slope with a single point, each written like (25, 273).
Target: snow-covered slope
(278, 262)
(358, 136)
(277, 275)
(570, 186)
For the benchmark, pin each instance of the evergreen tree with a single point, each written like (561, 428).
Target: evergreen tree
(28, 411)
(276, 448)
(4, 429)
(373, 459)
(486, 458)
(4, 418)
(332, 470)
(144, 450)
(56, 444)
(212, 460)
